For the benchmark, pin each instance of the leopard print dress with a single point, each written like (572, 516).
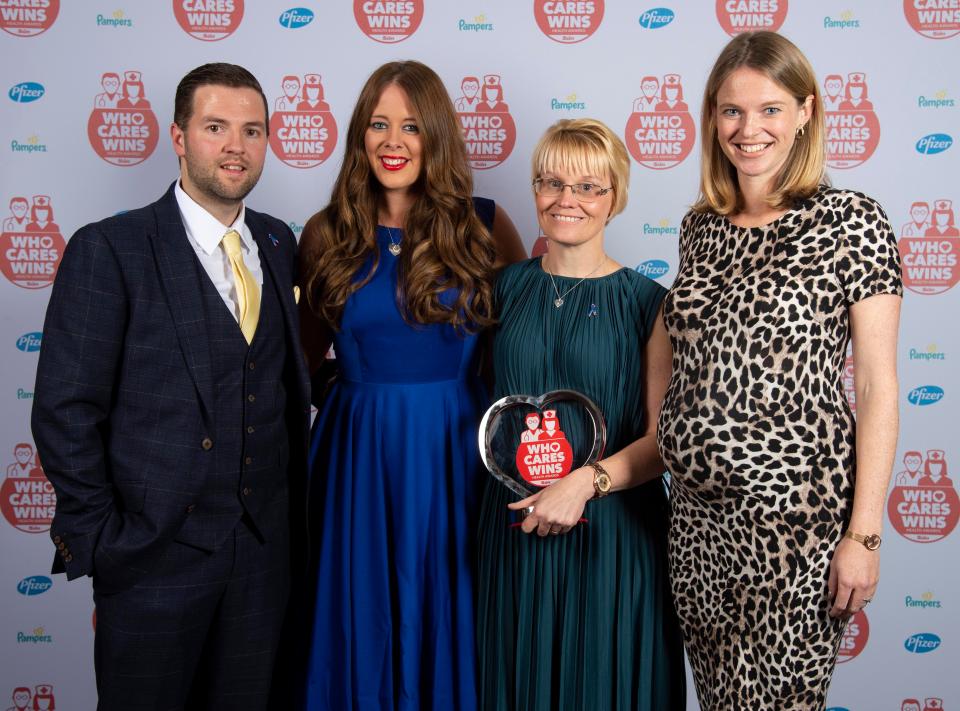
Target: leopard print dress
(759, 440)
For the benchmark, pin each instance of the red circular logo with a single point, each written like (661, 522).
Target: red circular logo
(303, 132)
(27, 19)
(488, 127)
(923, 505)
(26, 497)
(31, 244)
(935, 19)
(568, 21)
(388, 21)
(929, 245)
(854, 637)
(122, 127)
(544, 454)
(660, 131)
(853, 130)
(738, 16)
(208, 20)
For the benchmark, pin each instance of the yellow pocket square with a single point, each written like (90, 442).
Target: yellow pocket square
(296, 294)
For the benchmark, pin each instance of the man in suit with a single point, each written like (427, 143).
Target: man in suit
(171, 414)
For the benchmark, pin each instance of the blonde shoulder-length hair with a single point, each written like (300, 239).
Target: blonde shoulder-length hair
(803, 172)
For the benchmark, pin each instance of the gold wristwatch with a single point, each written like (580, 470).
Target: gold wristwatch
(870, 541)
(601, 481)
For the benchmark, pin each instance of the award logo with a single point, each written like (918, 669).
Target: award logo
(28, 19)
(929, 245)
(388, 21)
(853, 130)
(931, 703)
(31, 245)
(122, 127)
(41, 697)
(738, 16)
(488, 127)
(923, 505)
(27, 499)
(544, 454)
(934, 19)
(208, 20)
(854, 638)
(303, 132)
(568, 22)
(660, 132)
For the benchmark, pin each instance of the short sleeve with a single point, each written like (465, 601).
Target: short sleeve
(867, 261)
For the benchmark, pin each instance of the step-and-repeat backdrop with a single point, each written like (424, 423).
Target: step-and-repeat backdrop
(84, 134)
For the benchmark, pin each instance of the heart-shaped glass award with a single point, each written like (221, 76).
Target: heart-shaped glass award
(528, 442)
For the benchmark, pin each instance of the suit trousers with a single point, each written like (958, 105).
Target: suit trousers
(198, 631)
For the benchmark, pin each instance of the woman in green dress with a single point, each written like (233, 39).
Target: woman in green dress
(574, 608)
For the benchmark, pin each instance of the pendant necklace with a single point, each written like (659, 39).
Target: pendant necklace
(558, 302)
(394, 246)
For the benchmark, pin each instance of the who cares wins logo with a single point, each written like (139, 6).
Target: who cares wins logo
(853, 130)
(488, 127)
(568, 21)
(388, 21)
(929, 245)
(27, 499)
(660, 132)
(923, 505)
(738, 16)
(31, 245)
(930, 703)
(122, 127)
(208, 20)
(40, 697)
(303, 132)
(27, 19)
(935, 19)
(855, 637)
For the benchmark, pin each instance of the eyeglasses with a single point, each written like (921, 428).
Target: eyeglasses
(584, 192)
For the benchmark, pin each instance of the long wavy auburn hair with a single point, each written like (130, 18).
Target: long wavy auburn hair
(445, 245)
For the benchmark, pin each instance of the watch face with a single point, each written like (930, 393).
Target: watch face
(872, 542)
(603, 483)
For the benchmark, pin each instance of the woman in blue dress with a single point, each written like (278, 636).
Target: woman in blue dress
(397, 271)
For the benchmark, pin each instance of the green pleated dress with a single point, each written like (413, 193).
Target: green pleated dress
(582, 620)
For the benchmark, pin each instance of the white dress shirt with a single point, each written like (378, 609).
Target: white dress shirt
(204, 232)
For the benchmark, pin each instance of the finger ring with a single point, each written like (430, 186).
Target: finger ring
(866, 600)
(555, 531)
(527, 511)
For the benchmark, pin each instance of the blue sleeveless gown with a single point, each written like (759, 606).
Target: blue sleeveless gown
(395, 489)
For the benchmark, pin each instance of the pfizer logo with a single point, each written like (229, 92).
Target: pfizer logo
(388, 21)
(854, 638)
(736, 16)
(208, 20)
(28, 19)
(30, 342)
(122, 128)
(303, 132)
(925, 395)
(31, 245)
(934, 143)
(660, 132)
(296, 17)
(568, 22)
(921, 643)
(34, 585)
(26, 91)
(488, 128)
(656, 18)
(934, 19)
(853, 129)
(929, 245)
(653, 268)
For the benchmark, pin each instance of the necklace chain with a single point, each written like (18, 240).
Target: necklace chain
(558, 302)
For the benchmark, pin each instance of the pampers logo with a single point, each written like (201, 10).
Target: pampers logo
(939, 101)
(26, 91)
(295, 227)
(931, 353)
(846, 21)
(653, 268)
(662, 228)
(30, 342)
(34, 585)
(477, 24)
(921, 643)
(116, 19)
(656, 18)
(296, 17)
(934, 143)
(926, 395)
(37, 636)
(925, 601)
(32, 145)
(568, 103)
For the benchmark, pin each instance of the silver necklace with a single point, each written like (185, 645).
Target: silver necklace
(394, 246)
(558, 302)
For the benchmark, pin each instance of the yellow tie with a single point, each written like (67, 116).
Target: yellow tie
(248, 291)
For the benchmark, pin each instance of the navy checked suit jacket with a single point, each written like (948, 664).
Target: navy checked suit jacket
(122, 406)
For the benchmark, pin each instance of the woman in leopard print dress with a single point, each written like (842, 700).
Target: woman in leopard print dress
(771, 480)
